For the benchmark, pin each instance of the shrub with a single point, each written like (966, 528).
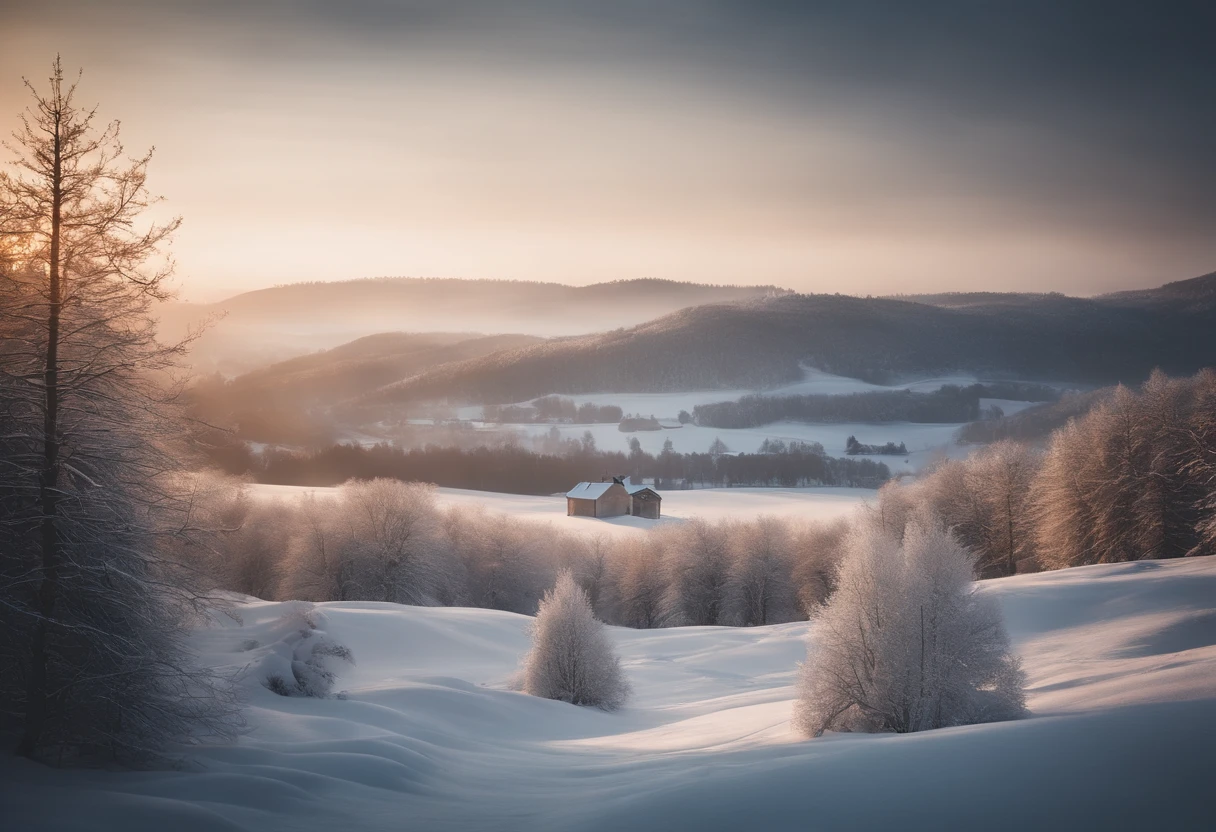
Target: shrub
(905, 644)
(572, 659)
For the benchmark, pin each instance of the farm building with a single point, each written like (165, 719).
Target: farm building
(644, 501)
(614, 498)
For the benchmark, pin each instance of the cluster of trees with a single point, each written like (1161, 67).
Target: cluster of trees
(552, 409)
(385, 540)
(632, 423)
(854, 448)
(562, 462)
(949, 404)
(903, 643)
(1132, 479)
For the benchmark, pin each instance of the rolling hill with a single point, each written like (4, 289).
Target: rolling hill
(268, 325)
(286, 399)
(762, 343)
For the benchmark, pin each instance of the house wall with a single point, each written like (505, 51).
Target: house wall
(645, 505)
(613, 503)
(579, 508)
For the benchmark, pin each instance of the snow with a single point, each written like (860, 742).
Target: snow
(925, 442)
(669, 405)
(430, 735)
(589, 490)
(678, 506)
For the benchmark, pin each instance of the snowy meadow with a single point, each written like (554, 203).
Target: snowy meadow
(428, 732)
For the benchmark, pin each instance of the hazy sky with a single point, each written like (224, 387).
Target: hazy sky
(859, 147)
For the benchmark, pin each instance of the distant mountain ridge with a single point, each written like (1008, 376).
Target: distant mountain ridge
(273, 324)
(761, 343)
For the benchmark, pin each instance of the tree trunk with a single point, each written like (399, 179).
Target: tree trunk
(48, 590)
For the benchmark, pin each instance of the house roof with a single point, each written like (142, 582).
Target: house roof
(589, 490)
(635, 487)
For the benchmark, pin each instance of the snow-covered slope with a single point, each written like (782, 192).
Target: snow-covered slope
(1122, 668)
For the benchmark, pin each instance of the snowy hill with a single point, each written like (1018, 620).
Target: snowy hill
(761, 343)
(1121, 661)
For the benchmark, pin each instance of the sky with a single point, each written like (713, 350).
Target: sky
(854, 147)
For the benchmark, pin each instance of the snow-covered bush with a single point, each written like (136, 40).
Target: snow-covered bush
(905, 643)
(572, 659)
(312, 656)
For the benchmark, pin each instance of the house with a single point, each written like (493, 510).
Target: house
(615, 498)
(644, 501)
(597, 499)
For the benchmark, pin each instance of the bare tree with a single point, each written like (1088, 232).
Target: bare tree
(94, 660)
(698, 565)
(760, 584)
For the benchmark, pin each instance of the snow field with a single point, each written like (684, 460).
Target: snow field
(707, 503)
(925, 442)
(431, 736)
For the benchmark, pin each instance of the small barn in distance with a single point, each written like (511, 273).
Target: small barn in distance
(615, 498)
(644, 501)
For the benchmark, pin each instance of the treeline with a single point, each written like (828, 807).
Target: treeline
(632, 424)
(1132, 479)
(384, 540)
(1135, 479)
(949, 404)
(515, 470)
(854, 448)
(552, 409)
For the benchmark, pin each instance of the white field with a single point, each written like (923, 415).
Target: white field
(430, 736)
(707, 503)
(925, 442)
(669, 405)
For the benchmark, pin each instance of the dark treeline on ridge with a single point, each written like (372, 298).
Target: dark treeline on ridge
(766, 342)
(949, 404)
(514, 470)
(553, 409)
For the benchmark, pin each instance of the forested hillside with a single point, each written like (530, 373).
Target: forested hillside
(762, 343)
(274, 403)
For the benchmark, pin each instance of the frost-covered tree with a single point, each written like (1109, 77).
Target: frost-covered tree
(377, 540)
(817, 551)
(1002, 476)
(640, 582)
(699, 564)
(93, 662)
(905, 643)
(759, 582)
(572, 658)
